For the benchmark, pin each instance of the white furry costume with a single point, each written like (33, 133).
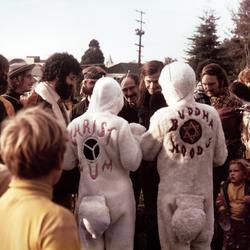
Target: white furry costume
(106, 150)
(188, 139)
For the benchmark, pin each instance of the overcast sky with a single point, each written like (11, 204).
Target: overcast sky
(42, 27)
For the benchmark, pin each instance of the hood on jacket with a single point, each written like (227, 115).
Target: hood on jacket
(178, 82)
(107, 96)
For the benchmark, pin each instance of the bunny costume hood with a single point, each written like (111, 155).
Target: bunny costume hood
(107, 96)
(178, 82)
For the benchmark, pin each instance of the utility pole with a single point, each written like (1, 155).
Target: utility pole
(140, 33)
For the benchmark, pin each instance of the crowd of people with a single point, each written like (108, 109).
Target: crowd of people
(75, 172)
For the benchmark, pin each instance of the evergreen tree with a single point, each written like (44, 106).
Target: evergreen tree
(168, 60)
(93, 55)
(231, 54)
(204, 43)
(242, 31)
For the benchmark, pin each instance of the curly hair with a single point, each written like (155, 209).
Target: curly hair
(4, 68)
(32, 143)
(60, 65)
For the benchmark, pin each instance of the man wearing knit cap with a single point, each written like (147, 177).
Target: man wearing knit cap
(188, 140)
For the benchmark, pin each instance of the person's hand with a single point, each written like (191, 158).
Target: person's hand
(24, 98)
(137, 129)
(246, 199)
(220, 202)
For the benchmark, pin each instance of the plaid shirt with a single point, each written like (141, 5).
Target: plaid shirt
(225, 99)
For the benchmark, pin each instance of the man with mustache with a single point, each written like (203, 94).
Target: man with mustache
(130, 89)
(215, 84)
(130, 112)
(90, 75)
(60, 74)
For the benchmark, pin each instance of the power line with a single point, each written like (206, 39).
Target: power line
(140, 33)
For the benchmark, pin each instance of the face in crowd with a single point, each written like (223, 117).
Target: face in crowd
(63, 70)
(89, 82)
(213, 79)
(210, 85)
(24, 82)
(90, 76)
(236, 174)
(65, 87)
(149, 77)
(130, 89)
(152, 83)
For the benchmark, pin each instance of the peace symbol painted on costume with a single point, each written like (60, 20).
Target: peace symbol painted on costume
(91, 149)
(190, 131)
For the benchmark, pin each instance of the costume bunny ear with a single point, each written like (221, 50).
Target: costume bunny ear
(240, 90)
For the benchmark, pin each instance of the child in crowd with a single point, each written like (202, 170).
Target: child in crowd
(32, 146)
(233, 207)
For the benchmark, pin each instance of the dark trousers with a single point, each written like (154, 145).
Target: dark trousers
(150, 181)
(238, 237)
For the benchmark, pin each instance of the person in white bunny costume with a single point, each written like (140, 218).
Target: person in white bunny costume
(188, 140)
(103, 146)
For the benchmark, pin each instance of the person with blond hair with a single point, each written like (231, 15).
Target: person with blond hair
(244, 76)
(233, 206)
(32, 146)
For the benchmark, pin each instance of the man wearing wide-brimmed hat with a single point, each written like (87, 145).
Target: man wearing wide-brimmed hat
(21, 81)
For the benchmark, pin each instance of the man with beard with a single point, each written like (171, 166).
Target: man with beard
(90, 75)
(60, 73)
(215, 85)
(4, 68)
